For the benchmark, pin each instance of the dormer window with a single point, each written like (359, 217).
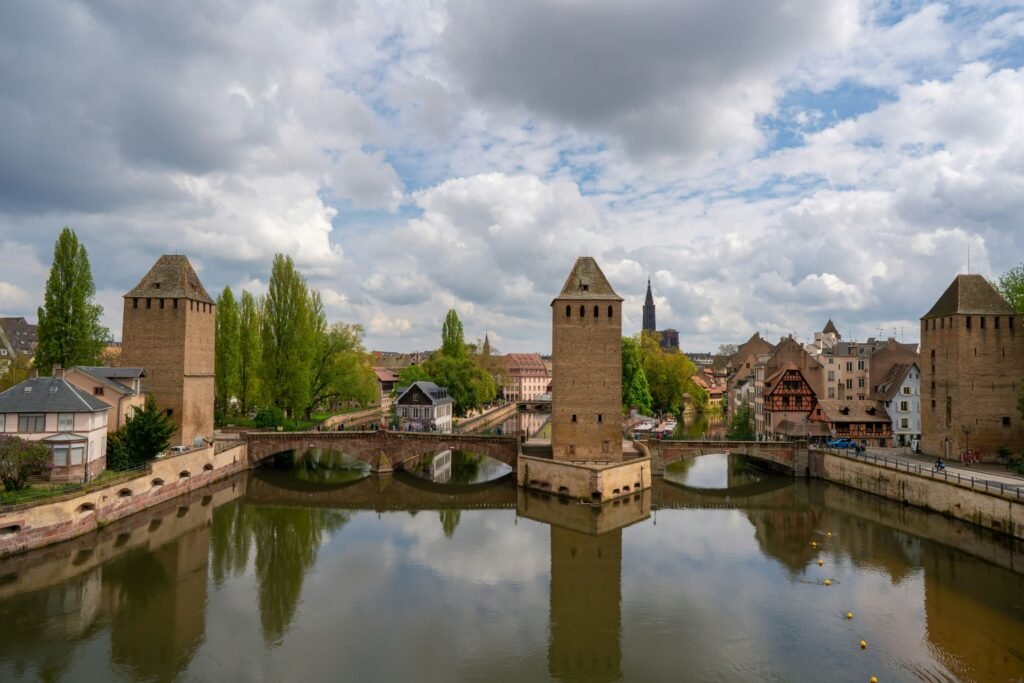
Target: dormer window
(156, 285)
(584, 286)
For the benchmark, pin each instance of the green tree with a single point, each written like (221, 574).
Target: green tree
(412, 373)
(249, 351)
(742, 426)
(286, 337)
(636, 392)
(449, 521)
(669, 374)
(341, 369)
(469, 385)
(453, 341)
(226, 372)
(69, 331)
(14, 372)
(146, 432)
(1011, 285)
(20, 459)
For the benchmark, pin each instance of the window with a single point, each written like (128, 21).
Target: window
(968, 322)
(65, 422)
(568, 311)
(597, 312)
(860, 365)
(175, 304)
(996, 320)
(583, 311)
(849, 366)
(831, 392)
(149, 303)
(907, 391)
(600, 418)
(573, 418)
(135, 303)
(60, 456)
(849, 384)
(161, 304)
(76, 454)
(611, 312)
(860, 382)
(933, 353)
(904, 423)
(1006, 421)
(1011, 321)
(904, 406)
(31, 423)
(831, 375)
(982, 319)
(942, 324)
(97, 391)
(3, 422)
(170, 412)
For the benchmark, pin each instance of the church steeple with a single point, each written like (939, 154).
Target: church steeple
(649, 323)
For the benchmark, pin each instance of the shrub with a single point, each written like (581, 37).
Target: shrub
(269, 418)
(20, 459)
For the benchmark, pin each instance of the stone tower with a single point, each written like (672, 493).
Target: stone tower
(972, 367)
(168, 329)
(649, 323)
(586, 348)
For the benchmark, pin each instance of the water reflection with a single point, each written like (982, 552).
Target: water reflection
(321, 466)
(714, 471)
(533, 424)
(458, 467)
(271, 577)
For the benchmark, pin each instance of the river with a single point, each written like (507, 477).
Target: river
(316, 572)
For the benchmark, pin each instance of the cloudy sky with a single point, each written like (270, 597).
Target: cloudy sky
(767, 164)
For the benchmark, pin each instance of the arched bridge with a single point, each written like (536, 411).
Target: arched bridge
(382, 450)
(787, 456)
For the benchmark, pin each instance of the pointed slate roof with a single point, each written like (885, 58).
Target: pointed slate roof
(649, 300)
(171, 277)
(970, 294)
(830, 328)
(586, 281)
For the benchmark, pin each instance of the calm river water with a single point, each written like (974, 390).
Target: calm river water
(309, 574)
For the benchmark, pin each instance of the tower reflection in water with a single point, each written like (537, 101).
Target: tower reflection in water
(585, 619)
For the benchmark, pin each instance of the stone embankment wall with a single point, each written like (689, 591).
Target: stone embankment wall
(486, 420)
(351, 419)
(33, 525)
(960, 502)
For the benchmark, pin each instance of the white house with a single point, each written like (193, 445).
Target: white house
(424, 407)
(70, 421)
(900, 392)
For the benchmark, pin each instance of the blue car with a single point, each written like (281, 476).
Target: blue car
(842, 443)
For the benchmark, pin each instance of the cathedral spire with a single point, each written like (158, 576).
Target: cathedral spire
(649, 323)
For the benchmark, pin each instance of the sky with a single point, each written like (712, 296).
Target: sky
(767, 165)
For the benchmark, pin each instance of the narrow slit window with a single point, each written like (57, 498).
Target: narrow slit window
(568, 311)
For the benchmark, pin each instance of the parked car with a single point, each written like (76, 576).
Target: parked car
(842, 443)
(179, 449)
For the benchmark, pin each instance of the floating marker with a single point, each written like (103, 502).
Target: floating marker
(849, 615)
(813, 544)
(863, 644)
(828, 582)
(819, 563)
(874, 679)
(830, 534)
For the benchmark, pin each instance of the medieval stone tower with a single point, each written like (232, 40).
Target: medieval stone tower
(972, 368)
(168, 329)
(586, 346)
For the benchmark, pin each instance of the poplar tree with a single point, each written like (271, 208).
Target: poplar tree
(249, 351)
(69, 331)
(285, 334)
(636, 392)
(226, 377)
(453, 341)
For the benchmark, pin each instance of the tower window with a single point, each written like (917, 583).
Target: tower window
(1006, 421)
(597, 313)
(568, 311)
(161, 304)
(149, 303)
(583, 311)
(982, 322)
(968, 322)
(600, 418)
(135, 303)
(996, 319)
(573, 418)
(611, 312)
(175, 304)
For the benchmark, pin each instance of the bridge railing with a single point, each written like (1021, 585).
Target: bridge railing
(997, 488)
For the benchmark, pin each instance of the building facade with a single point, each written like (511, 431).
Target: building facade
(587, 351)
(17, 338)
(526, 377)
(386, 383)
(424, 407)
(169, 329)
(71, 422)
(119, 388)
(866, 422)
(900, 393)
(972, 367)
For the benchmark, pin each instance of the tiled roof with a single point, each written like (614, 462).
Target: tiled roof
(856, 411)
(19, 334)
(970, 294)
(171, 277)
(435, 393)
(525, 361)
(111, 376)
(830, 328)
(892, 381)
(48, 395)
(385, 375)
(586, 281)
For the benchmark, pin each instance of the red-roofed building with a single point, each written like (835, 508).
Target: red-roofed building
(386, 381)
(527, 378)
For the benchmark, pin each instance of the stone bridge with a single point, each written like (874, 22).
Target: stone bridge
(787, 456)
(534, 406)
(383, 450)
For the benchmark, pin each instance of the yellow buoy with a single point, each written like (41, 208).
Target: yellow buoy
(828, 582)
(830, 534)
(813, 544)
(820, 563)
(863, 644)
(849, 615)
(874, 679)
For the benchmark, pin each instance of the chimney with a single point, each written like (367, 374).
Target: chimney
(58, 371)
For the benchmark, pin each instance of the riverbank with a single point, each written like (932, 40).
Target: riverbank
(34, 525)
